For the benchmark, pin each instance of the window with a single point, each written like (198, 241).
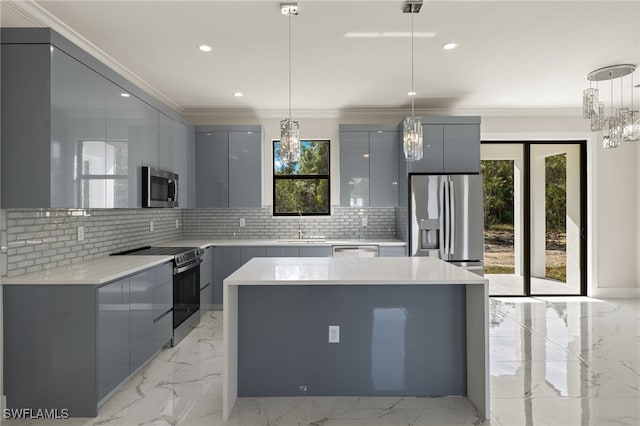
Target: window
(302, 188)
(103, 171)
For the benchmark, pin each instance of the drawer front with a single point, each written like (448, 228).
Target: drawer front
(162, 299)
(164, 273)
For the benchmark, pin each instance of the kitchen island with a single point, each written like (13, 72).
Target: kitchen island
(405, 326)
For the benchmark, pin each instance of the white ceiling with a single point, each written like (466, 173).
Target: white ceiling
(513, 56)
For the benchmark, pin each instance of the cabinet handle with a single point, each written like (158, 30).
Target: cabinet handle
(162, 316)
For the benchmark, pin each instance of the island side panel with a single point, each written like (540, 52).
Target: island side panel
(394, 340)
(230, 336)
(478, 347)
(50, 348)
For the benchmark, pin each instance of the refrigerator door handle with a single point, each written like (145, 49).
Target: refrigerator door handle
(452, 219)
(443, 220)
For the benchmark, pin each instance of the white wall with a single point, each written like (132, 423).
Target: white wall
(612, 188)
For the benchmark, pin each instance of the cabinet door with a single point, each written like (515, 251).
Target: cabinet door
(141, 316)
(245, 169)
(206, 280)
(383, 169)
(78, 145)
(132, 141)
(282, 251)
(225, 261)
(248, 253)
(354, 169)
(432, 151)
(324, 251)
(113, 336)
(180, 162)
(462, 148)
(384, 251)
(212, 169)
(165, 143)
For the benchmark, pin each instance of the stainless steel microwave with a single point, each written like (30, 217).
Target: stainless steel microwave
(159, 188)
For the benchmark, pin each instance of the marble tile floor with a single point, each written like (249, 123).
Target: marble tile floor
(554, 361)
(512, 285)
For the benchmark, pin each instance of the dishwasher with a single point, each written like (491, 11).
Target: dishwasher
(356, 251)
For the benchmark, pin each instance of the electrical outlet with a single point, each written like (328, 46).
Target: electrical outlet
(80, 233)
(177, 223)
(364, 221)
(150, 226)
(334, 334)
(242, 222)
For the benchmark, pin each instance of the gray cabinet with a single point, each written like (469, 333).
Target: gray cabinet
(249, 252)
(131, 142)
(354, 169)
(141, 318)
(282, 251)
(450, 145)
(368, 166)
(391, 251)
(315, 251)
(113, 337)
(225, 261)
(173, 153)
(212, 169)
(69, 136)
(206, 280)
(228, 166)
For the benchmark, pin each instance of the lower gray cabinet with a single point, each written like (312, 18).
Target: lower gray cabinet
(206, 280)
(316, 251)
(247, 253)
(391, 251)
(141, 318)
(113, 338)
(282, 251)
(226, 260)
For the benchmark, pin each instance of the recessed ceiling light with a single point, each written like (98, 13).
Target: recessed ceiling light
(205, 48)
(450, 45)
(125, 95)
(389, 34)
(238, 94)
(412, 93)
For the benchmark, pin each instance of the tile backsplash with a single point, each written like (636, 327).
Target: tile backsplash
(37, 239)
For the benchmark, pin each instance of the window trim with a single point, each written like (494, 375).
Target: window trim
(275, 177)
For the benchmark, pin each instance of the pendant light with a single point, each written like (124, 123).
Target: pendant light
(412, 126)
(289, 130)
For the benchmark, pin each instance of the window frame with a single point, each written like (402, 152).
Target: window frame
(275, 178)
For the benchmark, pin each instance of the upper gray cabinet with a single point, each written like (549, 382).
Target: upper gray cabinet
(228, 166)
(173, 154)
(74, 133)
(368, 166)
(450, 145)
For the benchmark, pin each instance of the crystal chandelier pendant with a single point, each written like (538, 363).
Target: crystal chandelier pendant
(412, 138)
(289, 142)
(612, 133)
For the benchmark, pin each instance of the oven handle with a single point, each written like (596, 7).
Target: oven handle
(191, 265)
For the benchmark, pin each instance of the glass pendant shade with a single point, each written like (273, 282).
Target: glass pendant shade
(289, 141)
(412, 138)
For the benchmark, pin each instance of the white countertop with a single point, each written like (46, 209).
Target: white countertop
(92, 272)
(204, 243)
(350, 271)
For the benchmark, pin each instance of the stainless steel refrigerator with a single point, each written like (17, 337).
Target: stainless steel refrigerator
(446, 219)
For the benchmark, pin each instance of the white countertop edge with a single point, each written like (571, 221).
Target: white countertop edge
(205, 243)
(103, 270)
(479, 281)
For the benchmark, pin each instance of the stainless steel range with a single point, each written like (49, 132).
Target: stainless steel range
(186, 285)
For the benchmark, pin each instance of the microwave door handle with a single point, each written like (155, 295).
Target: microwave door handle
(171, 196)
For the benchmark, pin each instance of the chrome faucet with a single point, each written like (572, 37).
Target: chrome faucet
(300, 233)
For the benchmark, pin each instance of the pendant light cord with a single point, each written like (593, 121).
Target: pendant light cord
(289, 65)
(413, 93)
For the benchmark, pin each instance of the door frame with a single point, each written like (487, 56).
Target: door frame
(526, 237)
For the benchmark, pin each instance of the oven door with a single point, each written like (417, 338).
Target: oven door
(186, 293)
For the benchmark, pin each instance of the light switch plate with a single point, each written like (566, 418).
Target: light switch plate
(80, 233)
(334, 334)
(242, 222)
(150, 226)
(177, 223)
(365, 222)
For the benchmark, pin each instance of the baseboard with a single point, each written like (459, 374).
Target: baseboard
(616, 293)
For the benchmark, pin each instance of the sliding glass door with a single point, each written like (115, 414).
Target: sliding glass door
(535, 216)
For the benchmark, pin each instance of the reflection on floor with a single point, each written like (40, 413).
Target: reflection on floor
(554, 361)
(512, 285)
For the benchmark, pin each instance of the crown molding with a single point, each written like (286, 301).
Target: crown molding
(41, 17)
